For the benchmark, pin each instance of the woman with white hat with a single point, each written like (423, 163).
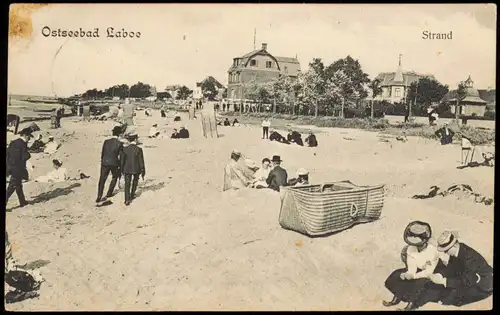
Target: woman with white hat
(412, 284)
(302, 178)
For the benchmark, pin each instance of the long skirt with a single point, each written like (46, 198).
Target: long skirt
(418, 291)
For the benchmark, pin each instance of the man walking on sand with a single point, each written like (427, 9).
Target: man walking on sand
(132, 165)
(17, 156)
(110, 162)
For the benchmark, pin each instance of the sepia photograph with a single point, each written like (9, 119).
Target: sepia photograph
(250, 157)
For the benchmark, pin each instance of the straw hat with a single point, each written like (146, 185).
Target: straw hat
(236, 152)
(417, 233)
(446, 241)
(302, 172)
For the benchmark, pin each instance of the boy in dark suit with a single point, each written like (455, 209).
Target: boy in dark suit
(183, 133)
(132, 165)
(110, 162)
(16, 157)
(467, 278)
(277, 176)
(311, 140)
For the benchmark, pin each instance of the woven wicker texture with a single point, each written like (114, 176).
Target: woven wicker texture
(209, 124)
(322, 209)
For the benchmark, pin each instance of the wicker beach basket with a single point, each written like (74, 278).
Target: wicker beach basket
(316, 210)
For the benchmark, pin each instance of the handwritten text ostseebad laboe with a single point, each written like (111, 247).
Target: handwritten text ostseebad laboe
(111, 32)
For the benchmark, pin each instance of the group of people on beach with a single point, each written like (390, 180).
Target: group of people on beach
(452, 273)
(292, 136)
(241, 172)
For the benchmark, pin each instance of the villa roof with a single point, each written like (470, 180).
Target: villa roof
(388, 78)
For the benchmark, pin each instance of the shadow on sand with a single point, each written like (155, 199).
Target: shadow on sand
(58, 192)
(151, 187)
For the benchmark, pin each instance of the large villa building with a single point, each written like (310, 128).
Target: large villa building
(259, 66)
(395, 85)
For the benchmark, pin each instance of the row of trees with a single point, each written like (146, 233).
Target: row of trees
(138, 90)
(122, 91)
(328, 90)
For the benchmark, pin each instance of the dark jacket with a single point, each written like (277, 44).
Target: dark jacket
(311, 141)
(276, 136)
(16, 157)
(132, 160)
(183, 134)
(277, 177)
(37, 146)
(462, 271)
(295, 137)
(110, 154)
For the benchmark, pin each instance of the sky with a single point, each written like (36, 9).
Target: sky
(184, 43)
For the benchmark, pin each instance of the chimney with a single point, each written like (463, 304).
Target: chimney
(264, 46)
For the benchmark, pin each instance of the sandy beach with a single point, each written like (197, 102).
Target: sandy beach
(183, 244)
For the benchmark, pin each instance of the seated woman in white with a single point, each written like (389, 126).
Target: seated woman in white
(261, 174)
(57, 175)
(51, 146)
(412, 284)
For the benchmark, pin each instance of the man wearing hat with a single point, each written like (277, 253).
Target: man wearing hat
(467, 277)
(277, 176)
(17, 156)
(110, 163)
(132, 165)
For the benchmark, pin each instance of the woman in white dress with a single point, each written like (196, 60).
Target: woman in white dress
(412, 284)
(261, 174)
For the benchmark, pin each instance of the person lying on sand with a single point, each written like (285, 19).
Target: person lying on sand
(276, 136)
(467, 277)
(237, 174)
(412, 284)
(261, 174)
(236, 123)
(20, 284)
(59, 174)
(51, 146)
(489, 161)
(302, 178)
(38, 146)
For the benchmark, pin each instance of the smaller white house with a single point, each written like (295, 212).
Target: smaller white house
(198, 93)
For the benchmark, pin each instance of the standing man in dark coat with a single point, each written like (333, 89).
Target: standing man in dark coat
(277, 176)
(16, 157)
(132, 165)
(445, 134)
(110, 162)
(467, 278)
